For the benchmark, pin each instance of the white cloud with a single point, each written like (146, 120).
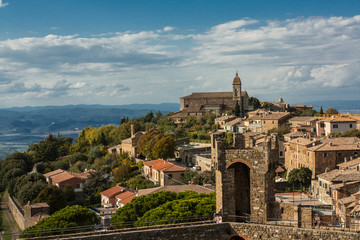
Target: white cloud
(168, 29)
(3, 4)
(273, 58)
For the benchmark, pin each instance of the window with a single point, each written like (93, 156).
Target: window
(325, 154)
(264, 122)
(350, 125)
(325, 185)
(170, 176)
(320, 183)
(272, 122)
(335, 126)
(339, 154)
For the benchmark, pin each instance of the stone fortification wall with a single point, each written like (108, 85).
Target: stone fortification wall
(218, 231)
(16, 211)
(257, 231)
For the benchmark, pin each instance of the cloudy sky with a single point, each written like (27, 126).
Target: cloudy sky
(59, 52)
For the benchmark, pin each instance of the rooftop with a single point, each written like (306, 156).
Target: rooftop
(111, 192)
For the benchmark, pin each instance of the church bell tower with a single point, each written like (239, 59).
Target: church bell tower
(237, 91)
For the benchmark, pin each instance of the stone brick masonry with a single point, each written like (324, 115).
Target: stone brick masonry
(224, 231)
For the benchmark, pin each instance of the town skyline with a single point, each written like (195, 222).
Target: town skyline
(115, 53)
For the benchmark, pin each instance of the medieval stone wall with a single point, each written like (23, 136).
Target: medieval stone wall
(217, 231)
(17, 212)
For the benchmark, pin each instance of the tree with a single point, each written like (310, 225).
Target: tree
(237, 109)
(50, 148)
(351, 133)
(63, 221)
(53, 196)
(253, 101)
(331, 111)
(27, 187)
(148, 117)
(96, 183)
(321, 110)
(154, 144)
(300, 177)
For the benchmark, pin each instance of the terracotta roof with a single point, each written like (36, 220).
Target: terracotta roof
(164, 166)
(338, 119)
(349, 164)
(151, 163)
(111, 192)
(337, 175)
(38, 205)
(49, 174)
(61, 177)
(302, 119)
(333, 144)
(125, 197)
(270, 116)
(39, 216)
(347, 200)
(224, 118)
(233, 122)
(279, 169)
(303, 141)
(212, 95)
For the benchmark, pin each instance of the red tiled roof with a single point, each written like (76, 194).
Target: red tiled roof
(49, 174)
(125, 197)
(61, 177)
(164, 166)
(111, 192)
(151, 163)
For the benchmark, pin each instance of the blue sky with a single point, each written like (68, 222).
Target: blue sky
(60, 52)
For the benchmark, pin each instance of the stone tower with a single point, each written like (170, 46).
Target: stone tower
(237, 92)
(245, 177)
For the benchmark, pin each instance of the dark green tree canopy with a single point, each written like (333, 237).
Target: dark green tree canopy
(62, 221)
(331, 111)
(237, 109)
(253, 101)
(154, 144)
(300, 177)
(53, 196)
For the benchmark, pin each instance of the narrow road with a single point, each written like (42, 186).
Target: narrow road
(14, 229)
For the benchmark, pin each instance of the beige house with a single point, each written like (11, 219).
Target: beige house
(128, 145)
(163, 172)
(303, 124)
(204, 162)
(221, 121)
(263, 122)
(319, 155)
(108, 196)
(326, 126)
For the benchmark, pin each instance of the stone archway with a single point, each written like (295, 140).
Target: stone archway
(241, 177)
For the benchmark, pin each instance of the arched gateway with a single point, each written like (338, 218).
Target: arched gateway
(244, 177)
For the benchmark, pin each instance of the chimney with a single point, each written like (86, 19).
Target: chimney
(132, 130)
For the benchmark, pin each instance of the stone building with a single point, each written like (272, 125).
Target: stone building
(197, 104)
(245, 176)
(319, 155)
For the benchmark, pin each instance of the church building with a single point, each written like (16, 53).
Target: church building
(200, 103)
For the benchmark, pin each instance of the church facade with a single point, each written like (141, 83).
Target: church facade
(196, 104)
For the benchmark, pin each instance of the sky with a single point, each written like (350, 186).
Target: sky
(112, 52)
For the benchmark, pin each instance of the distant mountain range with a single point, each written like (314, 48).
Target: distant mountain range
(21, 126)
